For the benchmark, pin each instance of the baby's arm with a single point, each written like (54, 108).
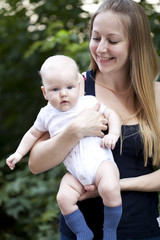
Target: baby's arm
(28, 140)
(114, 125)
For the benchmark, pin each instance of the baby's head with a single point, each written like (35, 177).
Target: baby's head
(59, 75)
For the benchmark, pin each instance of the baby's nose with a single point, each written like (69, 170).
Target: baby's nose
(63, 93)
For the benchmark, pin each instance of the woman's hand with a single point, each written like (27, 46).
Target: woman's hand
(91, 192)
(90, 122)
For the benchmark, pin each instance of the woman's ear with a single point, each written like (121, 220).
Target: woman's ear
(44, 92)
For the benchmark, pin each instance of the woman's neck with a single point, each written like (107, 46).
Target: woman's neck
(118, 94)
(117, 83)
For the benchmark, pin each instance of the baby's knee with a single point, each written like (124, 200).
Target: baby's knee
(61, 198)
(109, 189)
(111, 195)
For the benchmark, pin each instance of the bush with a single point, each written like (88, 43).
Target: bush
(28, 206)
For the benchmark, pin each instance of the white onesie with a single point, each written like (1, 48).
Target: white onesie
(85, 158)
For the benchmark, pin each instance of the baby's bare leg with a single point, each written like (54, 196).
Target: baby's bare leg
(107, 181)
(69, 192)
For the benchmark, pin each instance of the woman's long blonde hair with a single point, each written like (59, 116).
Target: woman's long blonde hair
(143, 70)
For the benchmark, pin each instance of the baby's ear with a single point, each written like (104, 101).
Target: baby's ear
(44, 92)
(81, 84)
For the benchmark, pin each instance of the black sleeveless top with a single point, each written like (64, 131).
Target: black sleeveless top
(140, 209)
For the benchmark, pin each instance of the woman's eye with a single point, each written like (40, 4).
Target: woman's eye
(96, 38)
(113, 41)
(70, 87)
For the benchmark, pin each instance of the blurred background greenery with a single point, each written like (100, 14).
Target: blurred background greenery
(31, 31)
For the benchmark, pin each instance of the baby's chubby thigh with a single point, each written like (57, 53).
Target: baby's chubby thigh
(69, 192)
(107, 182)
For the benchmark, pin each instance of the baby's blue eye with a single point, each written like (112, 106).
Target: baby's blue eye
(55, 89)
(70, 87)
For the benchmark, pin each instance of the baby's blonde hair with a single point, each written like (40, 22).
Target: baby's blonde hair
(57, 63)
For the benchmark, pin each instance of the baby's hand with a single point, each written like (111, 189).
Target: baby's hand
(109, 140)
(13, 159)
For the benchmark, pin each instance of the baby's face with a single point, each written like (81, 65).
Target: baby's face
(62, 89)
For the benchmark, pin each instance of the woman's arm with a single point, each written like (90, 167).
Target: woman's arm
(146, 183)
(48, 153)
(157, 98)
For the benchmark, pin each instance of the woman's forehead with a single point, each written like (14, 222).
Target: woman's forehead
(108, 22)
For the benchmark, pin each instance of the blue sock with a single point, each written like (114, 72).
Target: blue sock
(78, 225)
(112, 217)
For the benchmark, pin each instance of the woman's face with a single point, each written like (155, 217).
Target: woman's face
(109, 45)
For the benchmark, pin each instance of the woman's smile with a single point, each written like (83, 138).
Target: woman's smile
(104, 59)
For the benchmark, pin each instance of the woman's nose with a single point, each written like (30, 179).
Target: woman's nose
(102, 47)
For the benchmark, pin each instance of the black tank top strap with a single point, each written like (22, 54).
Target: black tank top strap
(89, 83)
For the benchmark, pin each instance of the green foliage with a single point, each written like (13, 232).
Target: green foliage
(28, 204)
(154, 20)
(28, 35)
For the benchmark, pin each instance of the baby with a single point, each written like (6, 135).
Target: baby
(90, 161)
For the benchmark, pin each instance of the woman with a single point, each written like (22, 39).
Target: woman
(123, 71)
